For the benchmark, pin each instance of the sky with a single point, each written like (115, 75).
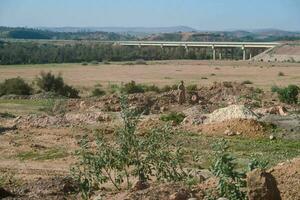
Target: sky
(199, 14)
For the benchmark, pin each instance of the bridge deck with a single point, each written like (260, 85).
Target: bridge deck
(199, 44)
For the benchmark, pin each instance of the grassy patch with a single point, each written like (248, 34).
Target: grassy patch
(49, 154)
(244, 149)
(25, 106)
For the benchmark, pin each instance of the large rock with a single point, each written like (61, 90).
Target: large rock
(231, 112)
(261, 186)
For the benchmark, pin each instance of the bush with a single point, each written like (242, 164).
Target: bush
(98, 92)
(84, 63)
(132, 87)
(230, 182)
(288, 94)
(246, 82)
(130, 157)
(166, 88)
(281, 74)
(175, 117)
(94, 62)
(15, 86)
(113, 88)
(151, 88)
(50, 83)
(191, 88)
(140, 62)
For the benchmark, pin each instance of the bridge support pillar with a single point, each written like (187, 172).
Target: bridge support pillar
(186, 49)
(244, 53)
(220, 56)
(214, 52)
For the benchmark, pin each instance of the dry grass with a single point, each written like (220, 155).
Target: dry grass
(157, 71)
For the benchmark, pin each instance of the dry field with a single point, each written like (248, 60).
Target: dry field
(262, 75)
(39, 137)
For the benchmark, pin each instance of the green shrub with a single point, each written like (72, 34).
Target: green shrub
(287, 94)
(281, 74)
(15, 86)
(94, 62)
(246, 82)
(151, 88)
(191, 88)
(175, 117)
(84, 63)
(132, 87)
(50, 83)
(6, 115)
(230, 182)
(166, 88)
(98, 92)
(113, 88)
(130, 157)
(140, 62)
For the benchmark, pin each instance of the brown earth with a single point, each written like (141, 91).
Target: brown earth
(164, 72)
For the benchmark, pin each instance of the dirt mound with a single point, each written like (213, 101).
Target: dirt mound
(279, 182)
(230, 112)
(163, 191)
(69, 119)
(39, 121)
(52, 188)
(244, 127)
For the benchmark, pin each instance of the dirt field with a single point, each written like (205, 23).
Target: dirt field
(164, 72)
(39, 136)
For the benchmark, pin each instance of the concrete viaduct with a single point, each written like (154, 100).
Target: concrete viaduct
(212, 45)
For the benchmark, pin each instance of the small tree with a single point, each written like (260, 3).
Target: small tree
(129, 156)
(288, 94)
(230, 181)
(50, 83)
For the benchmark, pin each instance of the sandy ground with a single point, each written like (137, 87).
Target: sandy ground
(164, 72)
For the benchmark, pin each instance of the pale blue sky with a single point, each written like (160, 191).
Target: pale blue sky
(200, 14)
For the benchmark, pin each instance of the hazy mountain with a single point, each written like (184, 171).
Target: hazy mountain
(150, 30)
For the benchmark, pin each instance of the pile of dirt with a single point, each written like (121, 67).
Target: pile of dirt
(39, 121)
(244, 127)
(279, 182)
(69, 119)
(230, 112)
(52, 188)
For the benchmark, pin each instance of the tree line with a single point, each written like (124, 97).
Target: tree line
(35, 53)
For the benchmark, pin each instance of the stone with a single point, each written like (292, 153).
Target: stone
(140, 185)
(261, 185)
(180, 195)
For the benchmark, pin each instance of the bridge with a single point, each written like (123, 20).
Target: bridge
(212, 45)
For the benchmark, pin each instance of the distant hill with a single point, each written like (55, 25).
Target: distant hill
(132, 30)
(176, 33)
(31, 33)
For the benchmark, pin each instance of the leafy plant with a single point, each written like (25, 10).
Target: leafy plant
(287, 94)
(98, 92)
(256, 163)
(191, 88)
(230, 181)
(281, 74)
(129, 156)
(132, 87)
(175, 117)
(151, 88)
(15, 86)
(50, 83)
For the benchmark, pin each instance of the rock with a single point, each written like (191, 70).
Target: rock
(140, 185)
(229, 132)
(261, 185)
(182, 194)
(272, 137)
(4, 193)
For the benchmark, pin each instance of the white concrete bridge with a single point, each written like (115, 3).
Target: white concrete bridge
(212, 45)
